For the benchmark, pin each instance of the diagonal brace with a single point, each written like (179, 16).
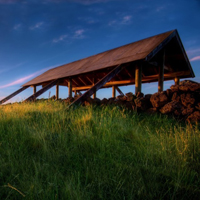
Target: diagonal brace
(13, 94)
(97, 86)
(44, 89)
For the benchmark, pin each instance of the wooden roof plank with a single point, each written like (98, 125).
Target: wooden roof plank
(139, 50)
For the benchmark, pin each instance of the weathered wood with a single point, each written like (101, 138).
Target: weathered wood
(152, 78)
(177, 80)
(161, 74)
(44, 89)
(138, 79)
(118, 90)
(97, 86)
(13, 94)
(94, 95)
(184, 53)
(34, 89)
(160, 46)
(70, 88)
(57, 91)
(113, 92)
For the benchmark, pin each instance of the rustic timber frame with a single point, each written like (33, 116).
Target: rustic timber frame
(154, 59)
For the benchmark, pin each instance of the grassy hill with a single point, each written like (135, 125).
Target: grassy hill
(49, 152)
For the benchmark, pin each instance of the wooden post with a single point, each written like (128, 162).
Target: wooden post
(138, 79)
(97, 85)
(44, 89)
(177, 81)
(34, 89)
(57, 91)
(70, 88)
(75, 93)
(94, 95)
(161, 74)
(113, 92)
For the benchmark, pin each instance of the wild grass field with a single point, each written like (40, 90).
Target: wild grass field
(50, 152)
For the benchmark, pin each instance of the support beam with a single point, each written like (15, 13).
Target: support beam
(97, 86)
(161, 74)
(113, 92)
(146, 79)
(70, 88)
(57, 91)
(177, 80)
(44, 89)
(34, 89)
(118, 90)
(138, 79)
(94, 95)
(13, 94)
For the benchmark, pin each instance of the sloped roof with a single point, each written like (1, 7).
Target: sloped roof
(141, 50)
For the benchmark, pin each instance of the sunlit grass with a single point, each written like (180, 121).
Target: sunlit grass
(50, 152)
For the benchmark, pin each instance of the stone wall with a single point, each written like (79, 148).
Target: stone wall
(181, 101)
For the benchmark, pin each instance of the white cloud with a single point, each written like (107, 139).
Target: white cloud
(195, 58)
(61, 38)
(23, 79)
(193, 51)
(78, 34)
(36, 26)
(126, 19)
(123, 21)
(17, 26)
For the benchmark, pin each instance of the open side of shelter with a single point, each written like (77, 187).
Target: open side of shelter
(154, 59)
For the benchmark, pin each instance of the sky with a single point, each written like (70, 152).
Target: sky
(37, 35)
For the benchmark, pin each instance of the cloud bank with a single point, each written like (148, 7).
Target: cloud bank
(22, 80)
(195, 58)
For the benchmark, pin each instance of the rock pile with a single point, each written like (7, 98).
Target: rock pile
(182, 101)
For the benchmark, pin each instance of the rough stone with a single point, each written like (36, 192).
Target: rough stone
(187, 111)
(174, 88)
(170, 107)
(187, 98)
(169, 93)
(121, 97)
(198, 106)
(142, 103)
(139, 94)
(176, 97)
(194, 117)
(159, 99)
(130, 96)
(69, 100)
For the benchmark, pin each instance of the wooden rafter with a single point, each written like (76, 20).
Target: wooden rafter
(74, 81)
(44, 89)
(130, 75)
(145, 79)
(98, 85)
(82, 80)
(13, 94)
(89, 80)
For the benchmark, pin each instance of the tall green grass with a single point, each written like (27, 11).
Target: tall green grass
(50, 152)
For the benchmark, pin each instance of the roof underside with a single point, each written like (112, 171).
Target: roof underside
(149, 52)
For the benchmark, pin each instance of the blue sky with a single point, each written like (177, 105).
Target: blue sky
(36, 35)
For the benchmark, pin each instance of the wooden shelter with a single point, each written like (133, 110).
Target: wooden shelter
(154, 59)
